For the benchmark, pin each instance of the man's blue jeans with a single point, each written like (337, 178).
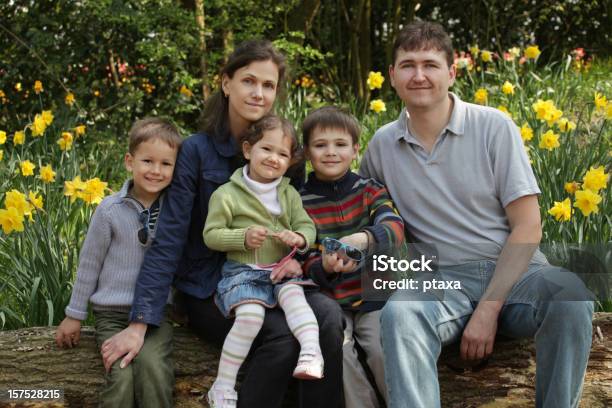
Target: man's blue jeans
(548, 303)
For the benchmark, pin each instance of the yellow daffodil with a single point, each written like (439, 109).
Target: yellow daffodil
(377, 105)
(532, 52)
(609, 110)
(306, 82)
(11, 220)
(19, 138)
(562, 210)
(508, 88)
(186, 92)
(18, 86)
(69, 99)
(35, 200)
(39, 126)
(526, 133)
(74, 188)
(474, 50)
(96, 93)
(16, 199)
(505, 110)
(600, 101)
(547, 111)
(27, 168)
(481, 96)
(375, 80)
(2, 137)
(47, 117)
(571, 187)
(587, 201)
(94, 191)
(486, 56)
(595, 179)
(565, 125)
(549, 141)
(80, 130)
(1, 155)
(65, 142)
(38, 87)
(515, 51)
(47, 174)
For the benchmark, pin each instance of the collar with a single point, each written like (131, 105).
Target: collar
(256, 186)
(124, 195)
(238, 179)
(455, 125)
(331, 188)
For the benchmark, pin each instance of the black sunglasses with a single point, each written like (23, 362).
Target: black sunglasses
(335, 246)
(143, 233)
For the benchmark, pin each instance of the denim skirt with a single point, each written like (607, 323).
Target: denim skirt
(240, 283)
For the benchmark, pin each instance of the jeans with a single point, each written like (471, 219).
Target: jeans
(416, 325)
(274, 353)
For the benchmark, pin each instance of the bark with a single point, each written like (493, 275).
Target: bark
(30, 359)
(200, 22)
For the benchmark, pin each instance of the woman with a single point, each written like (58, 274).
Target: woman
(251, 80)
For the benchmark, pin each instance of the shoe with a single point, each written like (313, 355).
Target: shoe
(309, 366)
(222, 398)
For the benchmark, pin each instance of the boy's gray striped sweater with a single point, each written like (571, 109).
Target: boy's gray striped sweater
(110, 259)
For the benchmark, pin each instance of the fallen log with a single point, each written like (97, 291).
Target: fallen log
(29, 359)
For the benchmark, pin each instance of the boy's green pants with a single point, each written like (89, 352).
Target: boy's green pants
(148, 381)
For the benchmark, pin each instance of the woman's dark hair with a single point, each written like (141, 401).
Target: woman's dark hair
(214, 120)
(256, 131)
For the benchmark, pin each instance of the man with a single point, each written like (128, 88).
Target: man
(461, 180)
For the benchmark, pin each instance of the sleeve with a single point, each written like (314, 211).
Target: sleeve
(300, 221)
(313, 269)
(513, 175)
(217, 232)
(386, 225)
(162, 258)
(91, 259)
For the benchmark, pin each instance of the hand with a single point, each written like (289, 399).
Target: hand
(479, 334)
(332, 263)
(68, 332)
(290, 269)
(255, 237)
(357, 240)
(127, 342)
(290, 238)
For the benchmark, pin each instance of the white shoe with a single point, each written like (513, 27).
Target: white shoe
(222, 398)
(309, 366)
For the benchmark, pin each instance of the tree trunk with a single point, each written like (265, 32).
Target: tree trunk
(30, 359)
(200, 22)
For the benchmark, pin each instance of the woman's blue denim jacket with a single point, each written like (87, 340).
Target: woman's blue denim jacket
(178, 254)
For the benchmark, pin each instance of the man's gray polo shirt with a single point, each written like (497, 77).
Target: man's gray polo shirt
(455, 196)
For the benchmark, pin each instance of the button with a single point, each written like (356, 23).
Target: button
(140, 316)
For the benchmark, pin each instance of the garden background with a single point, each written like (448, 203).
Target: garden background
(75, 74)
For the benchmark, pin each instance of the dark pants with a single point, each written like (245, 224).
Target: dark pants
(274, 353)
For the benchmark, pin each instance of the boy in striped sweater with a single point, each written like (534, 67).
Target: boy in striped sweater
(360, 213)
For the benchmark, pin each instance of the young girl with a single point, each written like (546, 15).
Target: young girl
(258, 220)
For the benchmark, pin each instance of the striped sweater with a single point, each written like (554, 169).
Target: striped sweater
(345, 206)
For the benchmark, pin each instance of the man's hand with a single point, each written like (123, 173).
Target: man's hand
(479, 334)
(68, 332)
(290, 238)
(290, 269)
(332, 263)
(127, 344)
(255, 237)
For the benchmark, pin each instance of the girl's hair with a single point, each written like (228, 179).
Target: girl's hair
(256, 131)
(215, 119)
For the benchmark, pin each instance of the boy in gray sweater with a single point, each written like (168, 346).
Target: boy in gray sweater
(121, 229)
